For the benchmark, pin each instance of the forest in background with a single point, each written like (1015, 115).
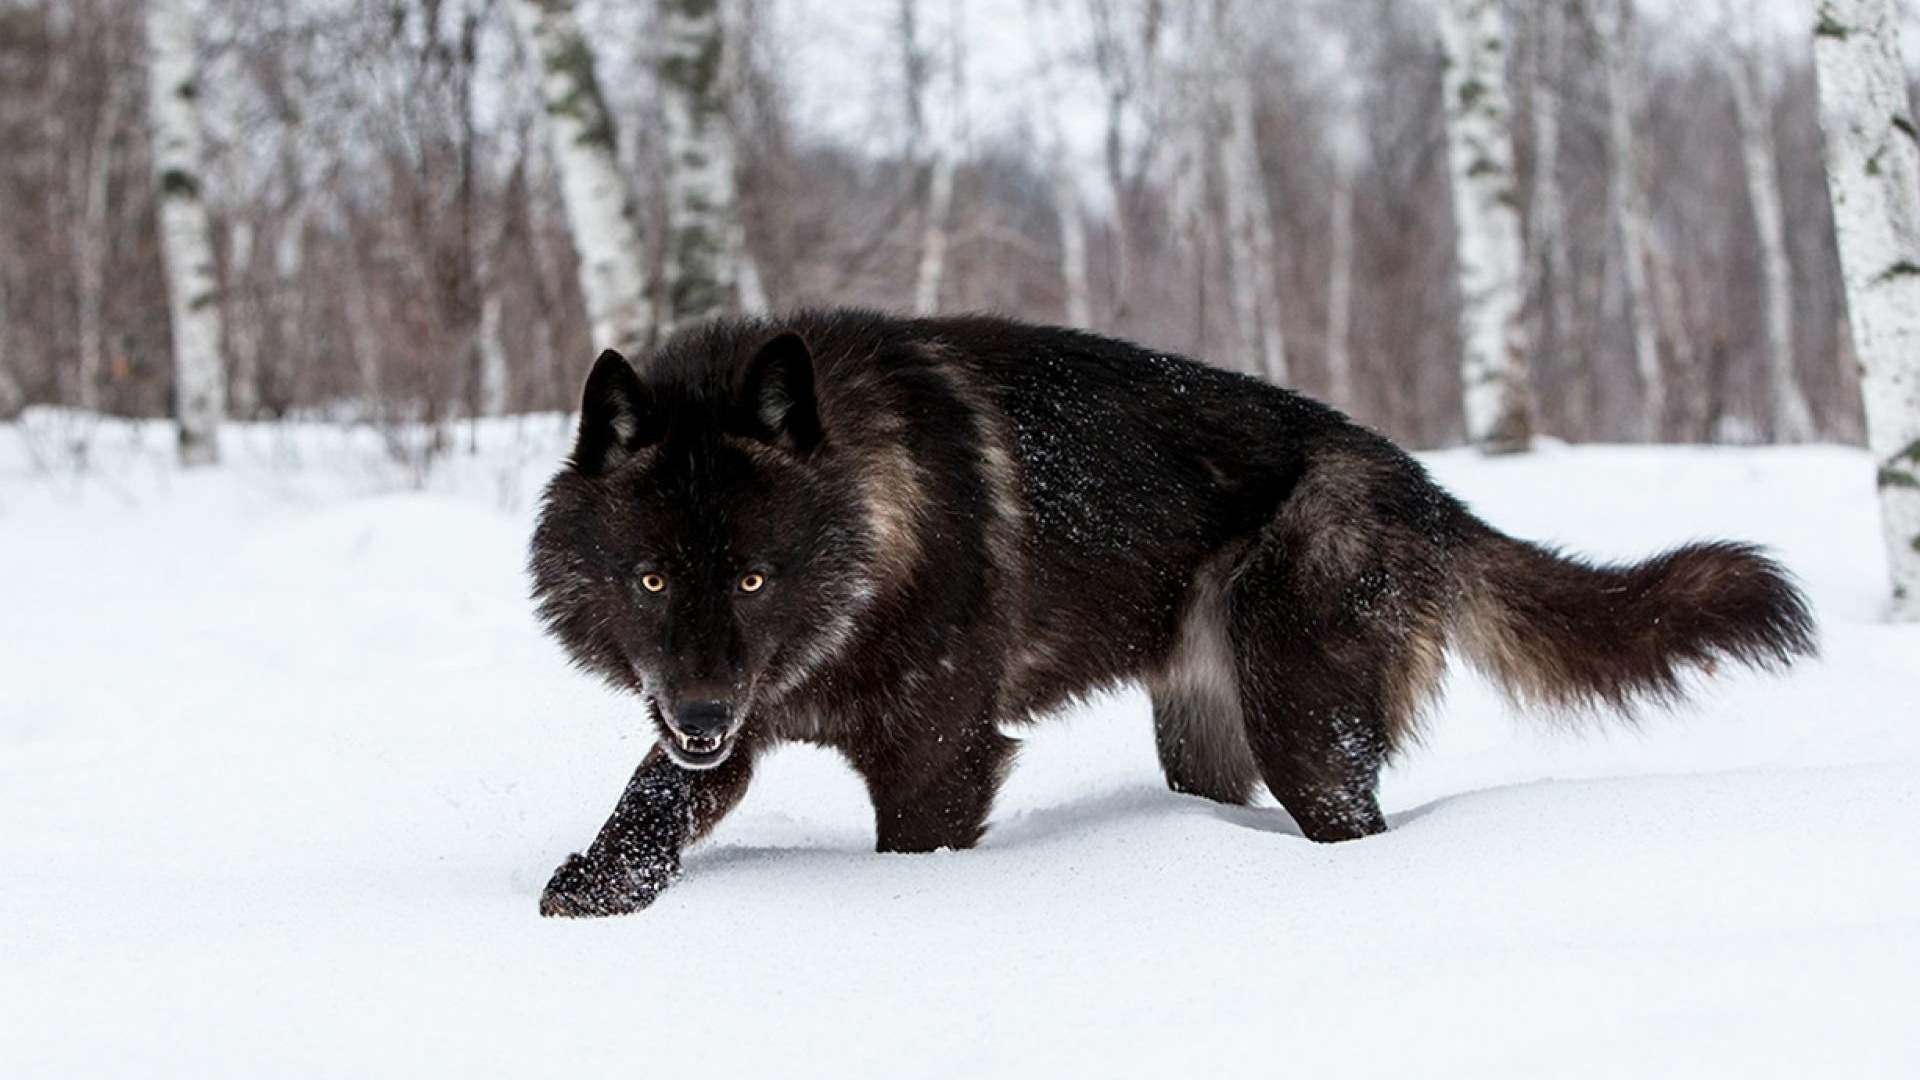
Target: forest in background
(391, 245)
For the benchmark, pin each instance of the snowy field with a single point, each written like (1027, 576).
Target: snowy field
(284, 763)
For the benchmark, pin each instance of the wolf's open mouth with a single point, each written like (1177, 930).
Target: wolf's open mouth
(699, 751)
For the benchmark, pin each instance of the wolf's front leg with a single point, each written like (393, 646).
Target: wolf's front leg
(935, 791)
(637, 853)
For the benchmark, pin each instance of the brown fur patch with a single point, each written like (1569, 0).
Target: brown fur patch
(1413, 684)
(1006, 529)
(1330, 513)
(890, 484)
(1198, 727)
(999, 470)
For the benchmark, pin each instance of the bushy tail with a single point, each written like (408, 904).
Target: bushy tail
(1570, 635)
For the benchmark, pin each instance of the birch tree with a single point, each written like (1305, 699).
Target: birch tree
(1752, 79)
(242, 322)
(1181, 98)
(943, 147)
(1873, 178)
(1670, 302)
(1610, 23)
(1126, 58)
(267, 241)
(916, 66)
(289, 303)
(1346, 150)
(1487, 238)
(490, 397)
(1251, 248)
(186, 241)
(1066, 187)
(57, 136)
(700, 212)
(601, 215)
(738, 19)
(92, 239)
(493, 383)
(1551, 287)
(544, 261)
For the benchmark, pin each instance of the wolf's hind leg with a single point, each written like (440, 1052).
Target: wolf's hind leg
(1320, 749)
(1202, 744)
(935, 791)
(1197, 726)
(1314, 693)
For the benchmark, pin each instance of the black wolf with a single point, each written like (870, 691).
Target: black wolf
(894, 536)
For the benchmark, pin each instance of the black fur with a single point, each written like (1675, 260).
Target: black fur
(892, 536)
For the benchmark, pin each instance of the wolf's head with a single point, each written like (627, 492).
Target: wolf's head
(699, 549)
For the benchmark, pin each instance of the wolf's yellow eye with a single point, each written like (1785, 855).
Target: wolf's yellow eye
(652, 582)
(753, 582)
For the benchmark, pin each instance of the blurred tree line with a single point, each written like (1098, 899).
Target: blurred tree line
(389, 221)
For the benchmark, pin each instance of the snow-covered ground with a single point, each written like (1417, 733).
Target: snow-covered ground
(284, 763)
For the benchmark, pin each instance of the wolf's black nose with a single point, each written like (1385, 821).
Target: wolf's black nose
(703, 719)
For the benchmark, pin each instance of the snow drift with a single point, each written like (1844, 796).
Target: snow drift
(284, 762)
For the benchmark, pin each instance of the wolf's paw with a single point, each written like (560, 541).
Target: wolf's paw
(586, 888)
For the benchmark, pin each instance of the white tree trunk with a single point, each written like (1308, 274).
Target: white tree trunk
(289, 299)
(945, 151)
(243, 326)
(547, 333)
(1752, 109)
(1181, 107)
(495, 372)
(1340, 287)
(1251, 248)
(1347, 147)
(90, 273)
(186, 241)
(914, 63)
(700, 215)
(1611, 26)
(601, 216)
(1066, 187)
(1873, 176)
(1487, 242)
(1126, 46)
(1552, 285)
(739, 17)
(1670, 303)
(494, 381)
(90, 245)
(748, 285)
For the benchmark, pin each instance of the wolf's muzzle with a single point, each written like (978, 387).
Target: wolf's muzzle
(701, 731)
(702, 719)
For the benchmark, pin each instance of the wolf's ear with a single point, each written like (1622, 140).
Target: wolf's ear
(618, 416)
(774, 396)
